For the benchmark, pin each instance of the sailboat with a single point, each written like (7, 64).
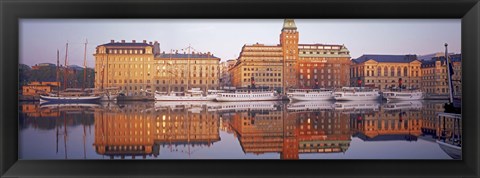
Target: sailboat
(450, 135)
(68, 95)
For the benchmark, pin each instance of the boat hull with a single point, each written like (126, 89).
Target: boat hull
(183, 98)
(70, 99)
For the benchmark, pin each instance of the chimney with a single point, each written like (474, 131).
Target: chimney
(156, 48)
(144, 41)
(150, 43)
(133, 41)
(112, 41)
(123, 41)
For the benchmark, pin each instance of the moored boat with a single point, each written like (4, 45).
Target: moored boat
(67, 99)
(395, 95)
(195, 94)
(310, 94)
(356, 94)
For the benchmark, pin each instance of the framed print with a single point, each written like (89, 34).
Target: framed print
(239, 88)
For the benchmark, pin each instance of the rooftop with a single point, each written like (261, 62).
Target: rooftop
(386, 58)
(185, 55)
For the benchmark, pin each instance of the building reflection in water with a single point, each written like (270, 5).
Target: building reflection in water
(142, 129)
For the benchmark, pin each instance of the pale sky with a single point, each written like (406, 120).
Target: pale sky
(40, 38)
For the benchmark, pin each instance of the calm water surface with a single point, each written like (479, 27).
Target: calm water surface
(246, 130)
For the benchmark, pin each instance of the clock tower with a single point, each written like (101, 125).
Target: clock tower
(289, 43)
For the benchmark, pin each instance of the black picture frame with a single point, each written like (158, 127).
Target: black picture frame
(12, 11)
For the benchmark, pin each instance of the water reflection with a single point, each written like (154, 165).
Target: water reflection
(212, 130)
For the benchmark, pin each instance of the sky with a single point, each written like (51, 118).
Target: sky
(40, 38)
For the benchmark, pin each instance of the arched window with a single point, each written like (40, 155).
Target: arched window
(405, 71)
(385, 71)
(392, 72)
(399, 71)
(379, 71)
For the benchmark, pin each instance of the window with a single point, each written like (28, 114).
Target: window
(392, 72)
(379, 71)
(385, 71)
(405, 71)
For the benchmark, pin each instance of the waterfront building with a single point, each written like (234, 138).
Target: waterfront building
(435, 78)
(385, 71)
(259, 65)
(125, 65)
(36, 88)
(290, 64)
(324, 66)
(184, 71)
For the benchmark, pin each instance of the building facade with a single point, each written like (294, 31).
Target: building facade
(126, 65)
(386, 71)
(323, 66)
(181, 71)
(435, 78)
(259, 65)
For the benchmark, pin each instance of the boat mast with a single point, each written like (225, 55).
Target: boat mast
(449, 74)
(85, 65)
(65, 73)
(57, 72)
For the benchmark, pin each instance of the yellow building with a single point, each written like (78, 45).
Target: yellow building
(260, 65)
(171, 71)
(36, 88)
(435, 78)
(126, 65)
(136, 67)
(385, 71)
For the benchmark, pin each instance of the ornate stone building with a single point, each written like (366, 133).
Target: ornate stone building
(260, 65)
(385, 71)
(324, 66)
(179, 71)
(126, 65)
(434, 75)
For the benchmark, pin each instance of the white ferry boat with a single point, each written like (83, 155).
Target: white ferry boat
(248, 95)
(356, 94)
(406, 94)
(311, 106)
(310, 94)
(195, 94)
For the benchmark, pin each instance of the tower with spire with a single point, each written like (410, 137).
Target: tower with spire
(289, 42)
